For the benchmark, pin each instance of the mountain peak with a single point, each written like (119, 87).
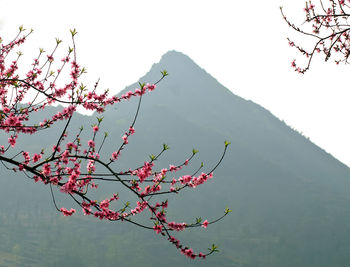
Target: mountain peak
(174, 55)
(175, 60)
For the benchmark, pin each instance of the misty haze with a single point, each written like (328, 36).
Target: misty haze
(290, 199)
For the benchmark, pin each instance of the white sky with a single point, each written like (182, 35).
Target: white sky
(241, 43)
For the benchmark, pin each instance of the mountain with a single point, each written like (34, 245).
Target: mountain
(290, 199)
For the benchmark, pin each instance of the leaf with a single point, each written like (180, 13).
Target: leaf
(165, 147)
(21, 29)
(73, 32)
(213, 248)
(58, 41)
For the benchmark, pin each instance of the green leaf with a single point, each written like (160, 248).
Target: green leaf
(73, 32)
(164, 73)
(165, 147)
(21, 29)
(142, 85)
(99, 119)
(214, 248)
(227, 143)
(58, 41)
(194, 151)
(82, 87)
(152, 157)
(227, 210)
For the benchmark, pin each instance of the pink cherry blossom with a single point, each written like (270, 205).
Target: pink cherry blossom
(67, 212)
(91, 143)
(76, 162)
(205, 224)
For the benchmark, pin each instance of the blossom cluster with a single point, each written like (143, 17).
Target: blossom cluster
(327, 23)
(75, 167)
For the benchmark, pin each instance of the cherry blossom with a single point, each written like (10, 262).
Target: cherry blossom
(75, 165)
(326, 25)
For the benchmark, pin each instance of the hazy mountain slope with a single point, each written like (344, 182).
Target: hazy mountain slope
(290, 199)
(196, 96)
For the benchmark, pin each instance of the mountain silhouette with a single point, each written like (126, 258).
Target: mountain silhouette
(289, 198)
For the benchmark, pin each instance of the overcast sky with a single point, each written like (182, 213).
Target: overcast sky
(241, 43)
